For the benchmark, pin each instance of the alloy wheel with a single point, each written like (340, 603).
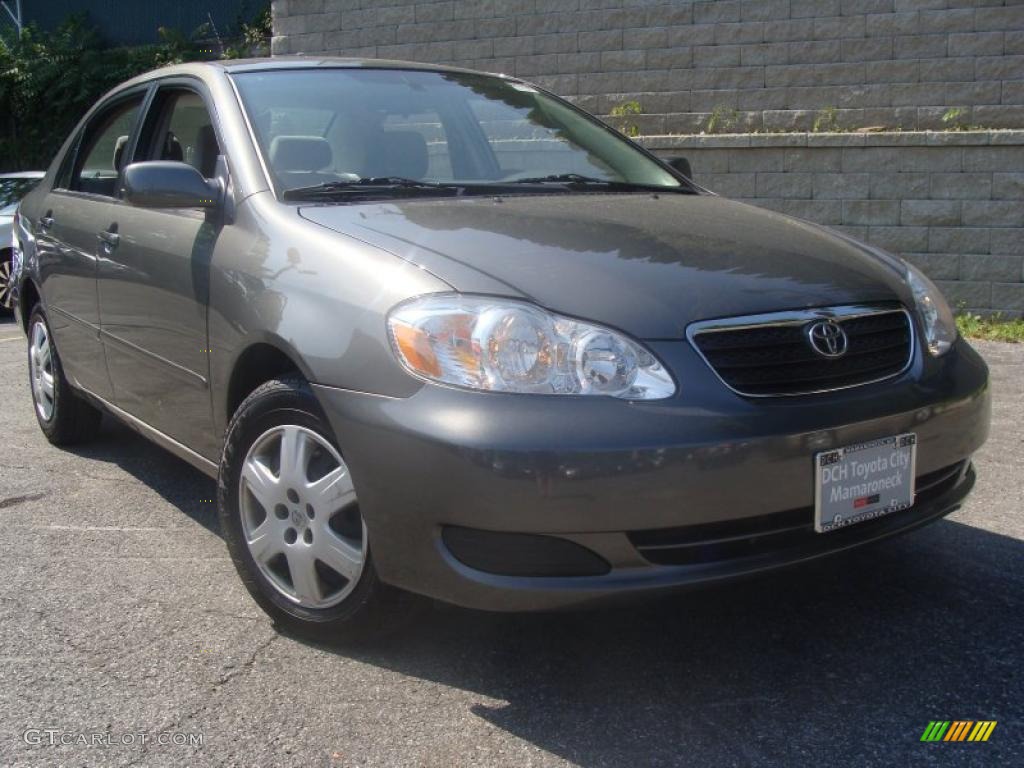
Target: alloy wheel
(6, 285)
(300, 516)
(41, 365)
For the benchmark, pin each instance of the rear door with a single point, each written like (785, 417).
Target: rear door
(154, 283)
(84, 196)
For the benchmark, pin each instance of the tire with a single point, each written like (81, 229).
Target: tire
(6, 283)
(64, 415)
(276, 535)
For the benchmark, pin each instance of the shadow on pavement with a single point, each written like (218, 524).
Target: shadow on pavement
(177, 481)
(844, 660)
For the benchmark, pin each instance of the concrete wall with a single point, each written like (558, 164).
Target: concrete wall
(952, 203)
(897, 63)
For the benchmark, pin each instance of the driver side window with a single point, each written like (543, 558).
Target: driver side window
(102, 154)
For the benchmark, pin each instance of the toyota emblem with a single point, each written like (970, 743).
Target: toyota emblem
(827, 338)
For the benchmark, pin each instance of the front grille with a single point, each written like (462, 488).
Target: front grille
(772, 356)
(747, 537)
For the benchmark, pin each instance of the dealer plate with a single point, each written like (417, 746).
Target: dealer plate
(861, 482)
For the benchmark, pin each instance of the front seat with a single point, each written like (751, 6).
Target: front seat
(172, 150)
(299, 161)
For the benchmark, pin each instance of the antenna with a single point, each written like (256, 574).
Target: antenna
(15, 15)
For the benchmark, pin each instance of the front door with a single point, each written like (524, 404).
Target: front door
(154, 285)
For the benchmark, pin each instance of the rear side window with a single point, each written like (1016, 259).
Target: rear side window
(102, 154)
(179, 129)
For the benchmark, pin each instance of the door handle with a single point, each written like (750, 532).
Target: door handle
(45, 222)
(110, 240)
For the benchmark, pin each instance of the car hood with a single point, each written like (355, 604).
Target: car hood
(646, 264)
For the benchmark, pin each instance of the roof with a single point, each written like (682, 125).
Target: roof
(308, 62)
(297, 62)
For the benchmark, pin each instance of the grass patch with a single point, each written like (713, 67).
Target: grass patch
(991, 328)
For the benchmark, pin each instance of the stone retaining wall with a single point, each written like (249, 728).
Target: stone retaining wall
(777, 63)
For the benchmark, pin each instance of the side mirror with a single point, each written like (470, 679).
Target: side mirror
(682, 165)
(165, 184)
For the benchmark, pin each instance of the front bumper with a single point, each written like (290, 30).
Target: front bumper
(625, 480)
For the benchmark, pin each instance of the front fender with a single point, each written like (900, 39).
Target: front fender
(319, 297)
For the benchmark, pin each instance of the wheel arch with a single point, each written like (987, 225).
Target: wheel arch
(259, 361)
(28, 297)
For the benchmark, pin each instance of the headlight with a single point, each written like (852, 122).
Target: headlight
(503, 345)
(933, 309)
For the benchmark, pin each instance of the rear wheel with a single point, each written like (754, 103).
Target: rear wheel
(290, 515)
(63, 415)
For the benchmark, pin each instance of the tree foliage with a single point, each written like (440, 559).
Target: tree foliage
(48, 80)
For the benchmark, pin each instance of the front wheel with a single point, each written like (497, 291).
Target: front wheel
(290, 515)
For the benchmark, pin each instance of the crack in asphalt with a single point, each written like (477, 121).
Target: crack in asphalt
(240, 671)
(55, 630)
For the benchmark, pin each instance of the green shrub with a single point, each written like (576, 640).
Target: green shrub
(955, 119)
(622, 112)
(254, 38)
(826, 121)
(48, 80)
(722, 120)
(992, 327)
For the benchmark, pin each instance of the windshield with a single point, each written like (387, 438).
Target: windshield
(340, 128)
(12, 190)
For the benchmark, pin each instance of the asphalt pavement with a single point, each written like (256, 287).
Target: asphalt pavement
(126, 639)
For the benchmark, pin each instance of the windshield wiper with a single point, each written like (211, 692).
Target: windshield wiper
(579, 180)
(369, 184)
(562, 178)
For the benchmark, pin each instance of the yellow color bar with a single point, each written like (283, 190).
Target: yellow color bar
(982, 730)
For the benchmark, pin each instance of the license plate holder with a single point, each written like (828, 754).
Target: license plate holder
(864, 481)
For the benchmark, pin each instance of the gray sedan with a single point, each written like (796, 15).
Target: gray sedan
(440, 333)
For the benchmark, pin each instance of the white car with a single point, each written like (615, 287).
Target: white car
(13, 187)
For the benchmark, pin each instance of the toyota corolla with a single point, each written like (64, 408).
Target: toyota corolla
(439, 332)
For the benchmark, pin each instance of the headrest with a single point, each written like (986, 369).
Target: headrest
(207, 151)
(399, 153)
(122, 142)
(299, 153)
(172, 149)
